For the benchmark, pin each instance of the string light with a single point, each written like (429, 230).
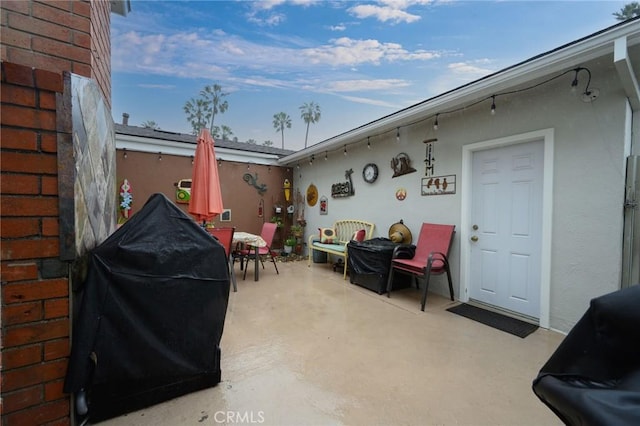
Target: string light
(588, 95)
(219, 163)
(160, 156)
(192, 160)
(125, 153)
(311, 160)
(326, 157)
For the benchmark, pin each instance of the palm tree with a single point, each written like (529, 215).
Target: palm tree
(280, 121)
(630, 10)
(197, 114)
(310, 113)
(226, 131)
(214, 97)
(150, 124)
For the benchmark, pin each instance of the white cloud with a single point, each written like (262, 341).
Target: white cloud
(339, 27)
(470, 69)
(365, 85)
(383, 13)
(157, 86)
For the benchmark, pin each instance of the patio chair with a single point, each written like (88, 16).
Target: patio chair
(225, 237)
(430, 257)
(267, 234)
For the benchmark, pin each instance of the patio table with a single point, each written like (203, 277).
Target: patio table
(251, 240)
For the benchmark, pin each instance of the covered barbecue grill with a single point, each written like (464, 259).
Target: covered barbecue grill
(150, 314)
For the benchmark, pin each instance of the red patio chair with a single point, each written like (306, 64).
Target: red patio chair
(267, 234)
(225, 237)
(430, 258)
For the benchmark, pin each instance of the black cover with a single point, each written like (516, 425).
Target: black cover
(369, 262)
(151, 313)
(593, 378)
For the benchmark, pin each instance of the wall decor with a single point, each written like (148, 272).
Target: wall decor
(343, 189)
(324, 205)
(312, 195)
(126, 198)
(401, 165)
(370, 173)
(401, 194)
(226, 215)
(253, 181)
(429, 159)
(439, 185)
(183, 191)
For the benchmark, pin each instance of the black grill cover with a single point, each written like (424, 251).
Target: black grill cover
(593, 378)
(369, 262)
(151, 313)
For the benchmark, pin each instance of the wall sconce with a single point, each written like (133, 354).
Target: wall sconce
(124, 155)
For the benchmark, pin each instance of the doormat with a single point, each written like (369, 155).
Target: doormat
(493, 319)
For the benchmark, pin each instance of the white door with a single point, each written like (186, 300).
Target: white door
(506, 222)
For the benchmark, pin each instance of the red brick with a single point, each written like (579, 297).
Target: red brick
(56, 308)
(12, 271)
(20, 313)
(47, 100)
(40, 415)
(23, 398)
(18, 95)
(31, 25)
(17, 74)
(35, 332)
(22, 356)
(80, 23)
(66, 421)
(26, 117)
(48, 80)
(29, 206)
(38, 60)
(19, 227)
(23, 162)
(63, 50)
(20, 6)
(33, 375)
(50, 227)
(30, 249)
(82, 39)
(19, 139)
(20, 184)
(15, 38)
(82, 8)
(53, 390)
(49, 142)
(46, 12)
(49, 185)
(35, 290)
(82, 69)
(55, 349)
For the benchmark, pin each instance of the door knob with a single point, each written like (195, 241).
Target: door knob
(474, 238)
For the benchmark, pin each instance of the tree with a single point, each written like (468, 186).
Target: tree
(252, 142)
(214, 96)
(226, 131)
(267, 143)
(215, 132)
(150, 124)
(280, 121)
(630, 10)
(310, 113)
(197, 114)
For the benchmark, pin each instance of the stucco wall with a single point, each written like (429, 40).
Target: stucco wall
(588, 185)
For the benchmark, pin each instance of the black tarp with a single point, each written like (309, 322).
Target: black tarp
(150, 315)
(593, 378)
(369, 262)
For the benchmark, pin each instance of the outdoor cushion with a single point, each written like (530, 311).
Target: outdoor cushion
(327, 235)
(359, 235)
(334, 247)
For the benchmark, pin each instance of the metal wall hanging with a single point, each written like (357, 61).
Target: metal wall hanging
(401, 194)
(439, 185)
(343, 189)
(252, 180)
(401, 165)
(429, 159)
(312, 195)
(324, 205)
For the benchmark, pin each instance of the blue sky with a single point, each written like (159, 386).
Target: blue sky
(359, 60)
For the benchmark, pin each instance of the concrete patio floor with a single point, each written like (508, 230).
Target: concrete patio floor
(307, 348)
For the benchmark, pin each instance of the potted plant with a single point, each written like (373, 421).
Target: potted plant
(296, 231)
(289, 243)
(277, 220)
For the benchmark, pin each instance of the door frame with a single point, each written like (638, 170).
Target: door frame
(547, 137)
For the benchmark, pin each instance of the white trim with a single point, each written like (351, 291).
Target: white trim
(547, 135)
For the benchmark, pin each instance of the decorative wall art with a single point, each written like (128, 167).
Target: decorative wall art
(401, 194)
(312, 195)
(324, 205)
(439, 185)
(252, 180)
(226, 215)
(429, 159)
(183, 191)
(343, 189)
(401, 165)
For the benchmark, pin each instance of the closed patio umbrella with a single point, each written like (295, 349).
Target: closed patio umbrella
(206, 198)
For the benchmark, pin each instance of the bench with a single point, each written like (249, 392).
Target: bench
(344, 231)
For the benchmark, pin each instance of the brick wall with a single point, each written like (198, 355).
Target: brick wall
(60, 35)
(35, 296)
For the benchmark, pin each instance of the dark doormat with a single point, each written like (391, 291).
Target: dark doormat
(493, 319)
